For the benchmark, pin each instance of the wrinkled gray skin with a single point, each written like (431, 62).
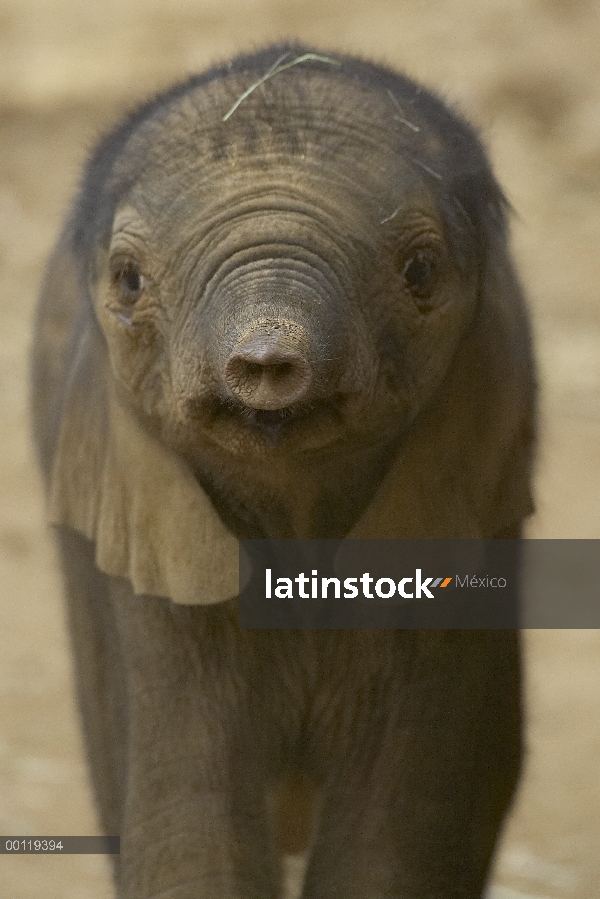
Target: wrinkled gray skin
(281, 295)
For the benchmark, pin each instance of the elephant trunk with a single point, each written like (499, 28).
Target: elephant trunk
(269, 367)
(281, 338)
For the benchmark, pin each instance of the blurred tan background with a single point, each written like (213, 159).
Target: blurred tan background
(528, 73)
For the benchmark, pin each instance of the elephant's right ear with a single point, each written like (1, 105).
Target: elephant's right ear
(59, 318)
(108, 477)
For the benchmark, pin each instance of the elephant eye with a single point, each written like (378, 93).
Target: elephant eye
(129, 280)
(420, 274)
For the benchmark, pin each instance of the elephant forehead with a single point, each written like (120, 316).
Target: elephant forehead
(286, 201)
(293, 111)
(313, 120)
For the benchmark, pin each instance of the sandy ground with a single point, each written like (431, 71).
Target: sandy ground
(529, 74)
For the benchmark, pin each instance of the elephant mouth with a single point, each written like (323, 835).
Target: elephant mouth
(276, 425)
(272, 423)
(307, 421)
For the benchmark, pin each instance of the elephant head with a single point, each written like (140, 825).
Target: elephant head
(293, 287)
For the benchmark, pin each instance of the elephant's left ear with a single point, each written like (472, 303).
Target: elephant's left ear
(119, 486)
(492, 428)
(465, 469)
(501, 378)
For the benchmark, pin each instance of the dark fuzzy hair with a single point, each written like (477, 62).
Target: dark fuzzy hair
(468, 195)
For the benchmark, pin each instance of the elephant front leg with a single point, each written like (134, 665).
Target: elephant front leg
(415, 794)
(195, 820)
(181, 839)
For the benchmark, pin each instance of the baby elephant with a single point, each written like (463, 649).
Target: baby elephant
(283, 307)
